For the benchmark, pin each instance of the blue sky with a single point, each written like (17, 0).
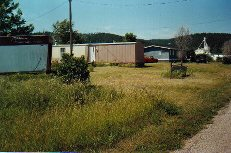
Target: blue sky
(147, 19)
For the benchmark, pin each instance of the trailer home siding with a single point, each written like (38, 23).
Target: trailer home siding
(78, 50)
(25, 54)
(117, 53)
(161, 53)
(124, 52)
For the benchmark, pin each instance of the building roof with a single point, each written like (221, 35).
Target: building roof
(154, 46)
(25, 40)
(97, 44)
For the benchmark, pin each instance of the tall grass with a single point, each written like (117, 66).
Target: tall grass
(126, 109)
(47, 115)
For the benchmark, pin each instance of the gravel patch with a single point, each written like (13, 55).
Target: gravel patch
(216, 138)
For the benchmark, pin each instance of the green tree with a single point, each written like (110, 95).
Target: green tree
(61, 33)
(130, 37)
(11, 21)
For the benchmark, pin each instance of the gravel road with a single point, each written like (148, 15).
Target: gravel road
(216, 138)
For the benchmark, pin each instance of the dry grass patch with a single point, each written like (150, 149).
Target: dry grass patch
(122, 110)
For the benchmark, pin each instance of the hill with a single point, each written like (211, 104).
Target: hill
(101, 38)
(214, 40)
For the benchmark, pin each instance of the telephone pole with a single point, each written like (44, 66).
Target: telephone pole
(71, 32)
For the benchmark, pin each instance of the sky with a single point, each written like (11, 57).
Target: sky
(148, 19)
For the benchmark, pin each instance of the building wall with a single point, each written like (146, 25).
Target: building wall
(160, 53)
(116, 53)
(23, 58)
(105, 52)
(139, 53)
(78, 51)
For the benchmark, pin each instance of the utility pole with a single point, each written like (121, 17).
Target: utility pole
(71, 32)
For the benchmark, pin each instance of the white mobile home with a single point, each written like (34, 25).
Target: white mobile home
(78, 50)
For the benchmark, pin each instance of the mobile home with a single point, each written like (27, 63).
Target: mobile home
(78, 50)
(161, 53)
(124, 52)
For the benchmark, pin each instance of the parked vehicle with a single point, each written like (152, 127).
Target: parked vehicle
(150, 59)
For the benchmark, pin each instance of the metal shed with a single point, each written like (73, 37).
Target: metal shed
(25, 54)
(161, 53)
(124, 52)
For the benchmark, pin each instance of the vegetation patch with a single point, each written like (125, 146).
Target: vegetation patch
(123, 109)
(73, 69)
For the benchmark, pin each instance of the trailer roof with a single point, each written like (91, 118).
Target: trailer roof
(98, 44)
(25, 40)
(168, 48)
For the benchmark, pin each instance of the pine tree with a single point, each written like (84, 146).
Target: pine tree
(11, 21)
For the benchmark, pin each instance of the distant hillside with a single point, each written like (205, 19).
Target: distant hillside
(214, 40)
(158, 42)
(109, 38)
(101, 38)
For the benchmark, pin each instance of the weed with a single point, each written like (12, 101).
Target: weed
(169, 108)
(126, 109)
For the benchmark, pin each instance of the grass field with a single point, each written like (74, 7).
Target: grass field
(122, 110)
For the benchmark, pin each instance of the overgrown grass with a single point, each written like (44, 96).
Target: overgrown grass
(123, 110)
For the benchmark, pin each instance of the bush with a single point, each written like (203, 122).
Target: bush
(209, 58)
(73, 69)
(177, 72)
(169, 108)
(226, 60)
(219, 59)
(54, 66)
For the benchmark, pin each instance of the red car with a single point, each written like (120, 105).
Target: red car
(150, 59)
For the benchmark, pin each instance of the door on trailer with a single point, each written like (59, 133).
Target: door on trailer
(92, 54)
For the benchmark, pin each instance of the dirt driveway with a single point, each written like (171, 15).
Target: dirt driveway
(216, 138)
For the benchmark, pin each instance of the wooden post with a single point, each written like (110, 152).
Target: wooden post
(171, 69)
(71, 32)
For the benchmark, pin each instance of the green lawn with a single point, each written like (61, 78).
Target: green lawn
(122, 110)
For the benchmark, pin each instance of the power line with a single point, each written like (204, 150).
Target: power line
(209, 22)
(48, 12)
(132, 4)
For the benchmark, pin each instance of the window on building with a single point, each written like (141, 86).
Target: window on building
(62, 51)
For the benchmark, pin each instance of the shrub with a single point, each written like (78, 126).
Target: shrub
(219, 59)
(114, 64)
(227, 60)
(73, 69)
(176, 72)
(54, 66)
(169, 108)
(209, 58)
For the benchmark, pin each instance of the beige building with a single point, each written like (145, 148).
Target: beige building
(58, 50)
(125, 52)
